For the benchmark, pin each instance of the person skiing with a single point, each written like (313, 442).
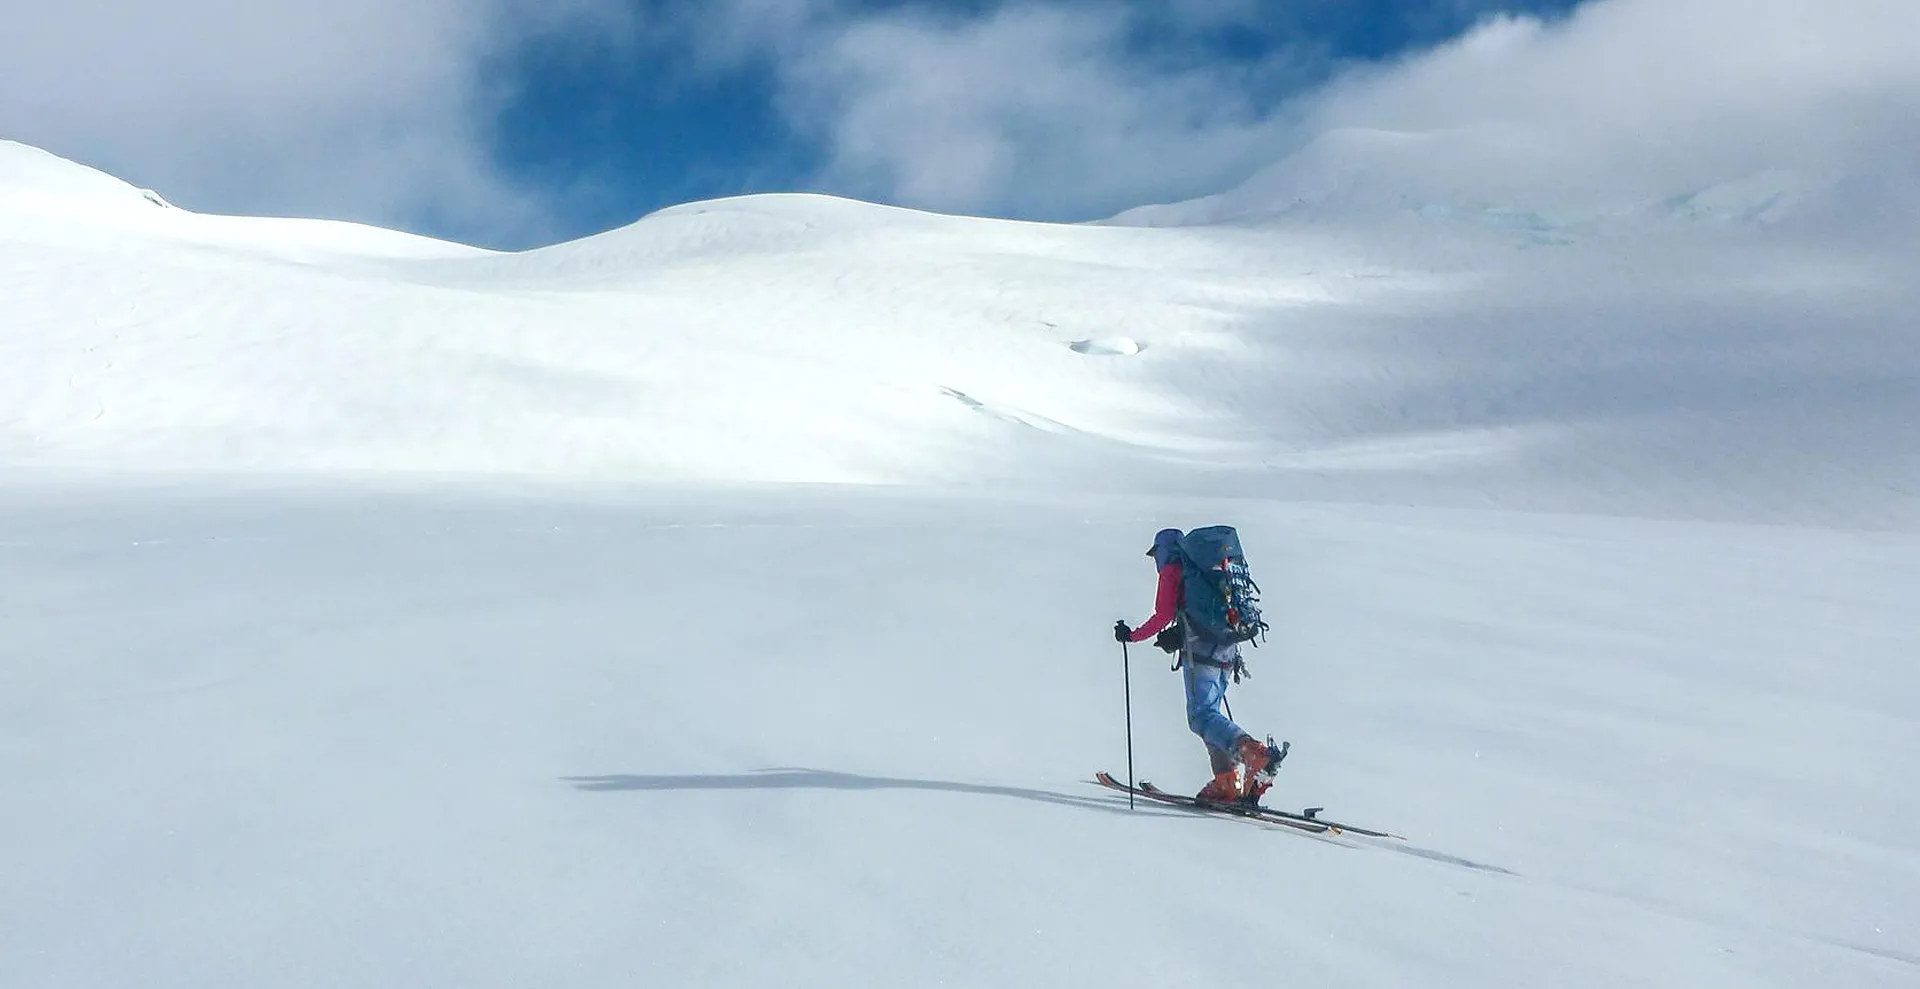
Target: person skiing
(1206, 664)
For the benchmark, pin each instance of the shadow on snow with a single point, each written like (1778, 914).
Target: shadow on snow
(819, 779)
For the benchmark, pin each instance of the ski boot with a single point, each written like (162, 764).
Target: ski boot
(1223, 789)
(1262, 762)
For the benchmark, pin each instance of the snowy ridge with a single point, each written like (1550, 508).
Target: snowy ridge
(802, 338)
(1468, 177)
(32, 179)
(47, 199)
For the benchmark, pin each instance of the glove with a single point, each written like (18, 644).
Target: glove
(1121, 633)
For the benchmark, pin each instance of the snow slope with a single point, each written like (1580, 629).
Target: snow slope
(785, 338)
(301, 739)
(382, 611)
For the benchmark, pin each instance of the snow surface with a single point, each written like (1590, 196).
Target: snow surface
(722, 600)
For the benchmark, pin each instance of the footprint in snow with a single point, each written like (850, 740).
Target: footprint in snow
(1107, 346)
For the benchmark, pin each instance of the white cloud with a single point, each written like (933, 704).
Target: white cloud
(1647, 97)
(1042, 107)
(352, 108)
(1022, 110)
(1031, 108)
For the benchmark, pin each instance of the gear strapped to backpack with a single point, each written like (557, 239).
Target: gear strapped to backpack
(1219, 602)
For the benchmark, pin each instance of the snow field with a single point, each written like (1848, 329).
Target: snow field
(325, 739)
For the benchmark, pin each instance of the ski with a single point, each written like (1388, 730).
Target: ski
(1309, 816)
(1151, 792)
(1306, 820)
(1313, 814)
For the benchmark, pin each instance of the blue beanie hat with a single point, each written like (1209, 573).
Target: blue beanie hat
(1166, 543)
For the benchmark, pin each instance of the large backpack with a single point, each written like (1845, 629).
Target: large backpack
(1220, 600)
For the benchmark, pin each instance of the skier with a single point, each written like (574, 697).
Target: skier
(1206, 665)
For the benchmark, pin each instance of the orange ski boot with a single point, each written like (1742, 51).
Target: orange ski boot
(1255, 756)
(1224, 789)
(1262, 762)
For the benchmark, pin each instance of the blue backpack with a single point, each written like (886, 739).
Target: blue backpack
(1220, 600)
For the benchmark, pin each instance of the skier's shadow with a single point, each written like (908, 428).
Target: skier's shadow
(820, 779)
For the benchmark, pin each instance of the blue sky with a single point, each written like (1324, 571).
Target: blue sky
(514, 123)
(649, 118)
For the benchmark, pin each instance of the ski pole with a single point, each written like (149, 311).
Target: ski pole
(1126, 666)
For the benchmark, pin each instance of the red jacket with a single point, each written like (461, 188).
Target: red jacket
(1166, 603)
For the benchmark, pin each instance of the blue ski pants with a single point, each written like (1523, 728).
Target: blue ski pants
(1206, 706)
